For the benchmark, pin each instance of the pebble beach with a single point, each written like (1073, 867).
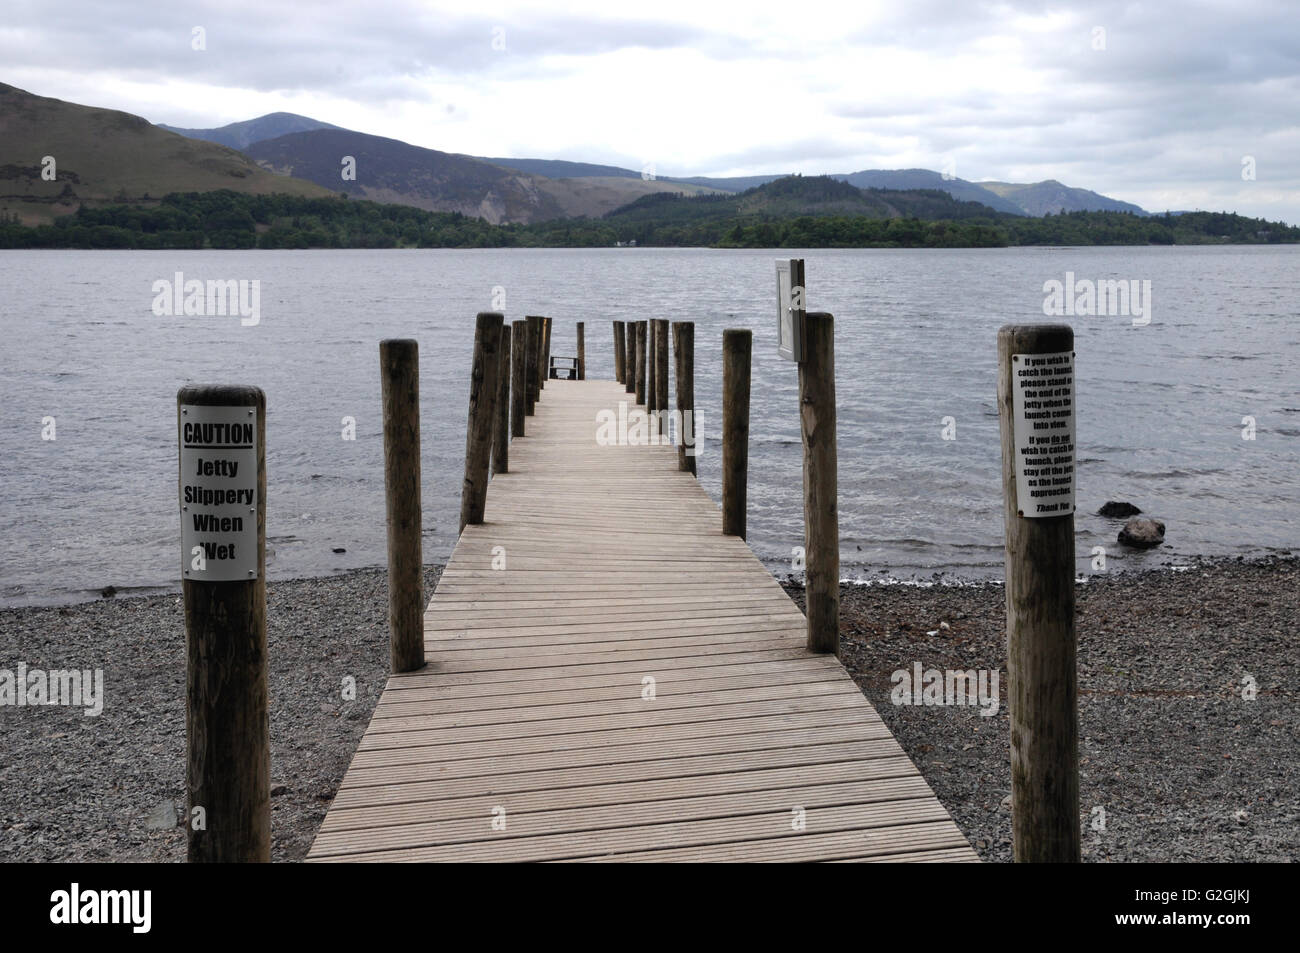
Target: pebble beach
(1177, 760)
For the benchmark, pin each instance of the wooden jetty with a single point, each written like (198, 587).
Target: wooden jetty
(610, 678)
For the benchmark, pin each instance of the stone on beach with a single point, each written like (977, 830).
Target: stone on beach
(1118, 510)
(1142, 533)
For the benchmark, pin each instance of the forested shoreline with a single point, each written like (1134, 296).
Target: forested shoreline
(225, 219)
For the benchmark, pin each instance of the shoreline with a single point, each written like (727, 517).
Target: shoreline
(1161, 660)
(85, 597)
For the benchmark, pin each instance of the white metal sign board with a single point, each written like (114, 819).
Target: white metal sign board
(1043, 416)
(790, 308)
(218, 493)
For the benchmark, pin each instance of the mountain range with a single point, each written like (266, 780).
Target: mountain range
(104, 155)
(277, 142)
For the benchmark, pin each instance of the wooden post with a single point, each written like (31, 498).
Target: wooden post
(820, 483)
(582, 354)
(629, 361)
(620, 355)
(651, 368)
(546, 348)
(1042, 674)
(661, 362)
(399, 374)
(228, 766)
(518, 377)
(542, 361)
(482, 402)
(501, 432)
(737, 344)
(684, 372)
(534, 361)
(640, 362)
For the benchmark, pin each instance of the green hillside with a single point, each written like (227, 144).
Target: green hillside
(102, 156)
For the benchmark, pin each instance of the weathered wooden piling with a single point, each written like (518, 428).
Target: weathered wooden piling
(1042, 672)
(501, 430)
(620, 355)
(227, 729)
(640, 362)
(661, 364)
(582, 354)
(651, 368)
(629, 363)
(518, 377)
(684, 375)
(737, 345)
(534, 361)
(482, 403)
(399, 368)
(546, 355)
(820, 483)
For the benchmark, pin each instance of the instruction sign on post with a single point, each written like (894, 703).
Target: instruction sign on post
(1043, 417)
(218, 493)
(790, 308)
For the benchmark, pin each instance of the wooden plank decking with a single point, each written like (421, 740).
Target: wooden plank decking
(532, 702)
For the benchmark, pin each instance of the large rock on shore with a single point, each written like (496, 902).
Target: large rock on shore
(1118, 510)
(1142, 533)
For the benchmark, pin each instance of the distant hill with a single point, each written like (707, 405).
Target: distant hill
(1050, 196)
(735, 183)
(389, 170)
(795, 196)
(563, 169)
(102, 155)
(1037, 199)
(241, 135)
(959, 189)
(550, 188)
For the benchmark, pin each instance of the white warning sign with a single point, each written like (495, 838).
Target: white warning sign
(1043, 416)
(218, 493)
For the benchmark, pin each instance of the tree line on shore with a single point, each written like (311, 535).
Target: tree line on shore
(225, 219)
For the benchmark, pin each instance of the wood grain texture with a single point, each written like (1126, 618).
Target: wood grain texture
(482, 416)
(1042, 672)
(399, 371)
(631, 684)
(820, 483)
(639, 367)
(737, 345)
(684, 376)
(629, 356)
(227, 728)
(501, 416)
(518, 377)
(534, 361)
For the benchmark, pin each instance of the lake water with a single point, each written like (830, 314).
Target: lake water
(1160, 407)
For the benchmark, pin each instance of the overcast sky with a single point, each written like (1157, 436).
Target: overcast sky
(1154, 103)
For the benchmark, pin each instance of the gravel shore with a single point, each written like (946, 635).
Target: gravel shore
(1174, 761)
(74, 787)
(1175, 765)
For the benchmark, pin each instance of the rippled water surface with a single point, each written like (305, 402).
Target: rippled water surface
(1160, 407)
